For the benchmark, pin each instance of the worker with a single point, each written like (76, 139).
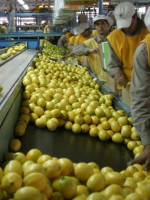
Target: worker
(83, 33)
(123, 42)
(48, 29)
(90, 47)
(71, 42)
(140, 95)
(36, 9)
(64, 40)
(4, 27)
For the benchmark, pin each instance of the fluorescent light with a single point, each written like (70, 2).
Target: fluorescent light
(21, 2)
(26, 7)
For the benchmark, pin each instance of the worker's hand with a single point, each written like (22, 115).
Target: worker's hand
(143, 158)
(120, 78)
(95, 50)
(64, 57)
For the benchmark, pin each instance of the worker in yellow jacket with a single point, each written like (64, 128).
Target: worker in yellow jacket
(4, 27)
(123, 42)
(48, 29)
(90, 47)
(64, 40)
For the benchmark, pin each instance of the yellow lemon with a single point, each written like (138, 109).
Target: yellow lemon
(36, 179)
(117, 138)
(13, 166)
(19, 156)
(53, 168)
(112, 189)
(35, 167)
(43, 158)
(15, 145)
(83, 171)
(11, 182)
(66, 166)
(82, 189)
(33, 154)
(106, 170)
(96, 196)
(135, 196)
(27, 192)
(114, 178)
(96, 182)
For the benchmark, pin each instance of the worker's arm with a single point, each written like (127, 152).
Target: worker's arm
(115, 67)
(140, 102)
(70, 46)
(80, 50)
(61, 43)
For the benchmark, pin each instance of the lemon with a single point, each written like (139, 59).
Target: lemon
(15, 145)
(112, 190)
(38, 110)
(94, 131)
(33, 154)
(116, 197)
(144, 189)
(52, 124)
(68, 125)
(11, 182)
(83, 171)
(115, 126)
(114, 178)
(87, 119)
(96, 196)
(43, 158)
(96, 182)
(80, 197)
(117, 138)
(85, 128)
(48, 190)
(66, 166)
(35, 167)
(26, 193)
(127, 190)
(106, 170)
(67, 187)
(19, 156)
(36, 179)
(76, 128)
(103, 135)
(20, 130)
(135, 196)
(1, 173)
(82, 189)
(13, 166)
(26, 164)
(53, 168)
(130, 182)
(131, 145)
(139, 176)
(56, 196)
(41, 122)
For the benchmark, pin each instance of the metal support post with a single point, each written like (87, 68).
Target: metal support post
(100, 6)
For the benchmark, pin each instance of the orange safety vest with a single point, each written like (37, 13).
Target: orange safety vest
(147, 41)
(124, 46)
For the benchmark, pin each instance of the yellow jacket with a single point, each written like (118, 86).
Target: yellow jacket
(95, 60)
(72, 40)
(45, 31)
(124, 47)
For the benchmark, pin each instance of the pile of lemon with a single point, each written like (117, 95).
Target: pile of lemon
(37, 176)
(57, 94)
(13, 51)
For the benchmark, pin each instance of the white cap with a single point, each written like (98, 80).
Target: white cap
(147, 19)
(64, 30)
(123, 14)
(5, 22)
(77, 31)
(43, 22)
(104, 17)
(82, 27)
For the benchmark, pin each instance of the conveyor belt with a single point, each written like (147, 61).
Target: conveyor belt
(78, 147)
(10, 75)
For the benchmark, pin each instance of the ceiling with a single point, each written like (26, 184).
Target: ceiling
(5, 4)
